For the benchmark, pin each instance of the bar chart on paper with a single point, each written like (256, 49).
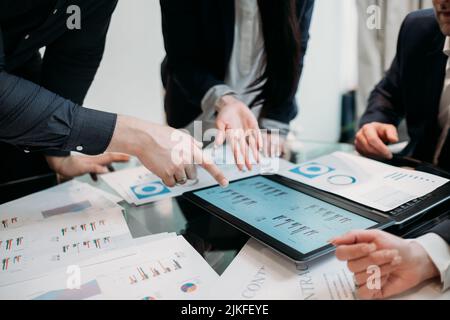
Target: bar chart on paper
(58, 241)
(8, 223)
(173, 271)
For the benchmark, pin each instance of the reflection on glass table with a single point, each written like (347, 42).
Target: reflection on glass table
(214, 239)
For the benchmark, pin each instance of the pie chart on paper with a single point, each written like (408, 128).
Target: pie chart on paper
(189, 287)
(342, 180)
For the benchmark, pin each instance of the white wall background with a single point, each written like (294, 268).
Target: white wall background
(128, 80)
(330, 69)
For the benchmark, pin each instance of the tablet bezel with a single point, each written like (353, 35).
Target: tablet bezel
(293, 254)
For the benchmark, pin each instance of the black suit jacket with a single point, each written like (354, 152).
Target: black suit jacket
(412, 89)
(40, 97)
(413, 86)
(443, 230)
(198, 38)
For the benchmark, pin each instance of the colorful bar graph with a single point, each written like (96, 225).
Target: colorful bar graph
(5, 263)
(6, 223)
(9, 244)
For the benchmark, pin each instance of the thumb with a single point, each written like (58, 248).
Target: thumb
(100, 169)
(388, 133)
(392, 134)
(95, 168)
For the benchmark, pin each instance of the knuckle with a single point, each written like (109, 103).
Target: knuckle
(339, 254)
(376, 259)
(360, 279)
(351, 266)
(372, 140)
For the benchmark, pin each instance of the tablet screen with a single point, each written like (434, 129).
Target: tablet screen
(298, 220)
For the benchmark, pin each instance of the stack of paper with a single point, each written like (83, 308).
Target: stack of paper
(258, 273)
(57, 227)
(72, 242)
(365, 181)
(165, 267)
(139, 186)
(70, 197)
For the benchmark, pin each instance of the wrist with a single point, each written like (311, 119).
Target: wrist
(422, 260)
(225, 101)
(130, 136)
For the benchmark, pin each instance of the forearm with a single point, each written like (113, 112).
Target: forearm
(129, 136)
(213, 98)
(137, 137)
(34, 118)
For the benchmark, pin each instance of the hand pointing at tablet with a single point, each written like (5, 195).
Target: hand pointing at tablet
(169, 153)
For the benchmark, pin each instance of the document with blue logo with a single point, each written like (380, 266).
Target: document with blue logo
(371, 183)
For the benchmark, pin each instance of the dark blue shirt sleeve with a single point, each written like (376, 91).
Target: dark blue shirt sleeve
(36, 119)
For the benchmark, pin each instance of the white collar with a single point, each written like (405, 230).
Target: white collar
(447, 46)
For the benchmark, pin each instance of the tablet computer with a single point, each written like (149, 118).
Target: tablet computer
(290, 217)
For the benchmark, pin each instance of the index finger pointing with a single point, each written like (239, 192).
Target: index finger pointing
(355, 237)
(208, 165)
(355, 251)
(215, 172)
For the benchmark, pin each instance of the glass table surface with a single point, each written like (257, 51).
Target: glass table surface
(215, 240)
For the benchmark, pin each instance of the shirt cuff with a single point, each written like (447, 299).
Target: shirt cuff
(439, 252)
(211, 98)
(270, 124)
(91, 132)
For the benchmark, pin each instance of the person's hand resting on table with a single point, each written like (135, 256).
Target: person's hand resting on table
(74, 166)
(372, 139)
(402, 264)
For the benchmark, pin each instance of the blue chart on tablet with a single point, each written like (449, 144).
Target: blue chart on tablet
(298, 220)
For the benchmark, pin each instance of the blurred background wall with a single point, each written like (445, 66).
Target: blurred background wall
(343, 55)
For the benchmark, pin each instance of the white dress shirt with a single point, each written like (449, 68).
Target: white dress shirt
(439, 250)
(444, 107)
(246, 65)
